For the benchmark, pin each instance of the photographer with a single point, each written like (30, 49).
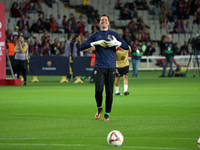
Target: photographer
(170, 51)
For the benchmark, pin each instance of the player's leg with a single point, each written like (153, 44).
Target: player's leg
(109, 83)
(117, 78)
(171, 66)
(99, 84)
(24, 70)
(125, 77)
(164, 67)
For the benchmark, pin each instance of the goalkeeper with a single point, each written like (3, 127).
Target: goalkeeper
(105, 42)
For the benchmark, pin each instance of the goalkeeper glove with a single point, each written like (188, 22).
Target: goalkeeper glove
(113, 42)
(100, 42)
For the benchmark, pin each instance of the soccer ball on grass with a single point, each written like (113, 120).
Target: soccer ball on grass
(198, 142)
(115, 138)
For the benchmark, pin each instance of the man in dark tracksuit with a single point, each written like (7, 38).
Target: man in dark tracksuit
(105, 42)
(170, 51)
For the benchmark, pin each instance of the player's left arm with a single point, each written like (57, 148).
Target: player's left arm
(23, 49)
(123, 45)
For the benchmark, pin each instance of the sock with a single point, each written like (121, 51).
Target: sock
(107, 114)
(125, 88)
(116, 89)
(100, 107)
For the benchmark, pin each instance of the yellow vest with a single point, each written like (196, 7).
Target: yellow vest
(122, 57)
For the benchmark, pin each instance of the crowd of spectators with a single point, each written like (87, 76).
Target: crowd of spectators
(136, 29)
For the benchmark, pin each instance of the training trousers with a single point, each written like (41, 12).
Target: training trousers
(20, 66)
(104, 76)
(168, 59)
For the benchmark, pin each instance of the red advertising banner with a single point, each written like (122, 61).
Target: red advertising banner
(2, 43)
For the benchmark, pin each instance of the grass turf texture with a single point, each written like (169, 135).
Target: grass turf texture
(159, 113)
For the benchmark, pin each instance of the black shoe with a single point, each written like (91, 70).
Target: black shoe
(162, 76)
(106, 117)
(118, 94)
(126, 93)
(170, 75)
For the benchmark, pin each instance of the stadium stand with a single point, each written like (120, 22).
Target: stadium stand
(117, 23)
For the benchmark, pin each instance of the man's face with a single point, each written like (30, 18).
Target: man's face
(104, 22)
(21, 39)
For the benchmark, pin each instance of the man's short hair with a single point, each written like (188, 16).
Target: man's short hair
(104, 15)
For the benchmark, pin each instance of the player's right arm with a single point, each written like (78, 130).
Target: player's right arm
(90, 42)
(15, 50)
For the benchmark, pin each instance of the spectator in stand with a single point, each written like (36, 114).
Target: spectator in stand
(183, 50)
(59, 21)
(37, 47)
(178, 27)
(174, 7)
(62, 48)
(134, 13)
(72, 24)
(197, 15)
(145, 34)
(46, 36)
(144, 5)
(21, 8)
(125, 12)
(81, 25)
(162, 45)
(37, 27)
(54, 26)
(136, 33)
(91, 17)
(187, 9)
(137, 4)
(95, 26)
(55, 47)
(22, 22)
(65, 23)
(37, 7)
(14, 10)
(86, 6)
(195, 4)
(150, 49)
(42, 18)
(170, 18)
(162, 16)
(16, 31)
(45, 50)
(47, 25)
(162, 6)
(118, 5)
(25, 32)
(187, 28)
(156, 9)
(27, 6)
(127, 37)
(9, 34)
(31, 43)
(51, 17)
(165, 24)
(181, 6)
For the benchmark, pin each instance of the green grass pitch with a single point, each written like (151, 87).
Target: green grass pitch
(159, 114)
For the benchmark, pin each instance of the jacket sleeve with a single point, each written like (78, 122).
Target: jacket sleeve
(124, 45)
(86, 44)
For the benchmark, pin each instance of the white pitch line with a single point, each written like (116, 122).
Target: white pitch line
(159, 138)
(81, 145)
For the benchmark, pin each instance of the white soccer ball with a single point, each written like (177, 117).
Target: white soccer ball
(198, 142)
(115, 138)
